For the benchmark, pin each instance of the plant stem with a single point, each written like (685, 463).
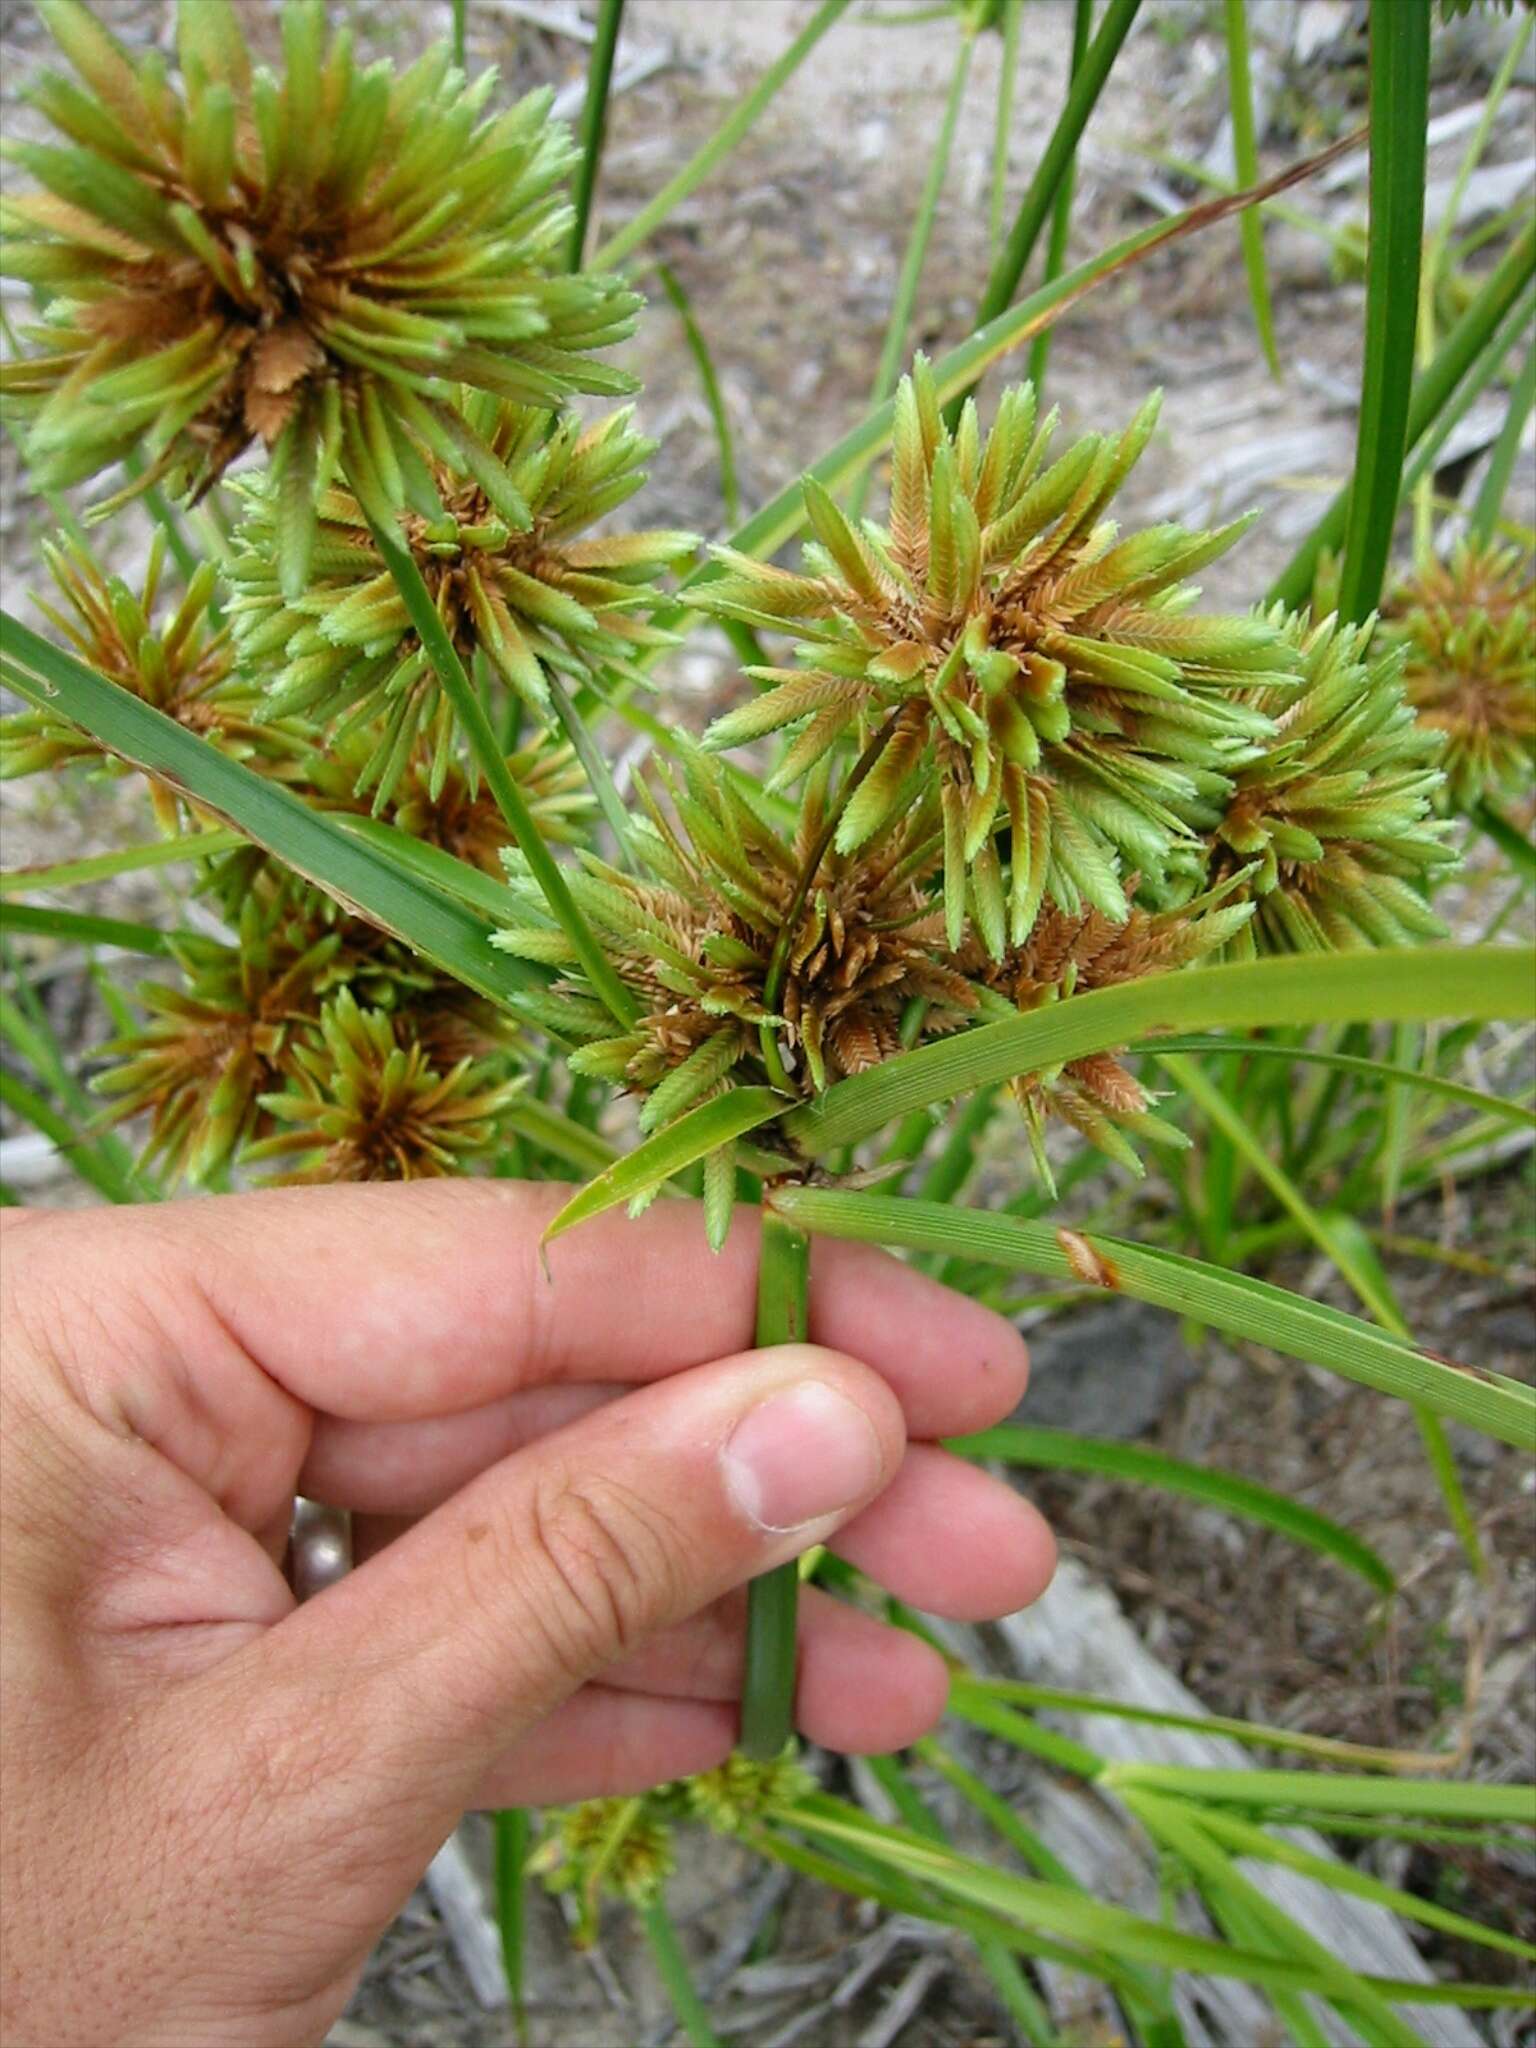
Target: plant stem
(768, 1693)
(470, 712)
(698, 348)
(460, 11)
(721, 143)
(1245, 158)
(1061, 216)
(894, 346)
(594, 122)
(672, 1969)
(1399, 115)
(1501, 464)
(511, 1837)
(1007, 76)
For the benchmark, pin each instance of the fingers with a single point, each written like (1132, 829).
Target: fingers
(607, 1745)
(564, 1559)
(392, 1303)
(862, 1687)
(950, 1540)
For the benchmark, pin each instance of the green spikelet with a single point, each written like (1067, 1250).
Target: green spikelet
(1467, 628)
(1052, 667)
(1331, 822)
(695, 937)
(620, 1848)
(307, 261)
(738, 1792)
(365, 1103)
(168, 653)
(529, 597)
(1070, 954)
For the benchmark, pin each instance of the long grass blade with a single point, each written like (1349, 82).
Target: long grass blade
(594, 123)
(1489, 504)
(492, 763)
(83, 929)
(1317, 988)
(1061, 213)
(1055, 161)
(1058, 1450)
(719, 146)
(1232, 1302)
(640, 1172)
(1245, 157)
(74, 1150)
(438, 926)
(893, 347)
(1399, 117)
(123, 860)
(1432, 392)
(709, 382)
(1344, 1246)
(511, 1833)
(1383, 1071)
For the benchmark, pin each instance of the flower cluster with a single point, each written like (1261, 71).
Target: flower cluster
(1050, 672)
(266, 1051)
(1467, 628)
(511, 580)
(170, 655)
(1070, 953)
(1329, 829)
(312, 261)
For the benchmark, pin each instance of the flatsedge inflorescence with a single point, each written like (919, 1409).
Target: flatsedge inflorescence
(310, 1039)
(1048, 672)
(1467, 630)
(1014, 760)
(312, 262)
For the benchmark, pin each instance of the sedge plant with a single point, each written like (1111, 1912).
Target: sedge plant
(1002, 801)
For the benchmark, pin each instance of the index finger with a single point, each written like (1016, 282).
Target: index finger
(393, 1303)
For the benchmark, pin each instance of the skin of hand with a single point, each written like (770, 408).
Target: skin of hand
(562, 1476)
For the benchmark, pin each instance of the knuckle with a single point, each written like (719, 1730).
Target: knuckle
(609, 1563)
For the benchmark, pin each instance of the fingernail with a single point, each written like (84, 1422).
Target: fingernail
(801, 1455)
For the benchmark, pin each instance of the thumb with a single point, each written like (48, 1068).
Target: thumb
(563, 1558)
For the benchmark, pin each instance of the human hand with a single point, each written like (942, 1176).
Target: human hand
(216, 1798)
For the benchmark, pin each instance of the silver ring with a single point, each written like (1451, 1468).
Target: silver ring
(319, 1547)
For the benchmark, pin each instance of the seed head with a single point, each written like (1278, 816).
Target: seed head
(312, 261)
(365, 1102)
(1057, 679)
(1331, 823)
(512, 580)
(1071, 953)
(736, 1793)
(169, 655)
(1467, 628)
(694, 939)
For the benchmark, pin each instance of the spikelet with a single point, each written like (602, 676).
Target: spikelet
(310, 261)
(246, 1022)
(168, 655)
(738, 1792)
(1071, 953)
(212, 1048)
(525, 592)
(1060, 682)
(620, 1848)
(1467, 629)
(694, 940)
(365, 1103)
(1332, 821)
